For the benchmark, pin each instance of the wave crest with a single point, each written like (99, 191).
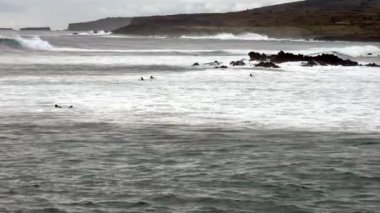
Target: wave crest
(100, 32)
(351, 51)
(230, 36)
(34, 43)
(357, 51)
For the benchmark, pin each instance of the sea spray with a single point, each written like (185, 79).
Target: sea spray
(34, 43)
(96, 33)
(230, 36)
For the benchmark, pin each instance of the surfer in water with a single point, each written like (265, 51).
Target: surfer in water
(152, 78)
(142, 79)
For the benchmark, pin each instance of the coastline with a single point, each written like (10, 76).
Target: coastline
(345, 20)
(325, 33)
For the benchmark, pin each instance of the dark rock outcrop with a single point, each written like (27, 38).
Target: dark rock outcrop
(324, 59)
(36, 29)
(267, 65)
(238, 63)
(215, 63)
(221, 67)
(372, 65)
(255, 56)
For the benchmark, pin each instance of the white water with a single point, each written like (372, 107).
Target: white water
(194, 139)
(230, 36)
(34, 43)
(95, 33)
(242, 37)
(322, 98)
(300, 99)
(353, 51)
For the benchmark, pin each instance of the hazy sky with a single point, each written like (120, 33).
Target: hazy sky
(58, 13)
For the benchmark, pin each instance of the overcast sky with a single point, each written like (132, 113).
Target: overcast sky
(58, 13)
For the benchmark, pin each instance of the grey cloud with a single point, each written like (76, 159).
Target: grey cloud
(7, 6)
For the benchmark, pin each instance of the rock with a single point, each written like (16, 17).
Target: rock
(330, 59)
(215, 63)
(195, 64)
(282, 57)
(324, 59)
(255, 56)
(221, 67)
(237, 63)
(35, 29)
(372, 65)
(267, 64)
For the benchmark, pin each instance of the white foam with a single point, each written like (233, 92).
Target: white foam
(35, 43)
(242, 36)
(98, 33)
(310, 100)
(230, 36)
(353, 51)
(136, 36)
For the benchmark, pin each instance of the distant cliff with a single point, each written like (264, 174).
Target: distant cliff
(6, 29)
(36, 29)
(318, 19)
(107, 24)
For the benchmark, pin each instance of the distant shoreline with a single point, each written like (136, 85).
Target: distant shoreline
(344, 20)
(295, 34)
(35, 29)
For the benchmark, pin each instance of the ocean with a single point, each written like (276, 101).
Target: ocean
(193, 138)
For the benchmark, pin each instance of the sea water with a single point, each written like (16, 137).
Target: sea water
(193, 139)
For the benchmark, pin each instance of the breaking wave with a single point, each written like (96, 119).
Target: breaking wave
(356, 51)
(230, 36)
(100, 32)
(34, 43)
(243, 37)
(350, 51)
